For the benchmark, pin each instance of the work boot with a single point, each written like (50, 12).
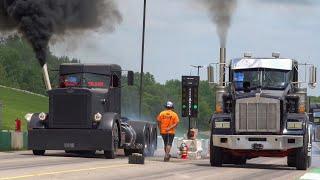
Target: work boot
(166, 158)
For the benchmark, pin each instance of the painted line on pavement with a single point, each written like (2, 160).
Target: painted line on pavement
(311, 175)
(65, 172)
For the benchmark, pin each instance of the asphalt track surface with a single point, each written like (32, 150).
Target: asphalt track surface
(58, 165)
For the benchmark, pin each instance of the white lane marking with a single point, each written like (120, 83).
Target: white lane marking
(64, 172)
(310, 176)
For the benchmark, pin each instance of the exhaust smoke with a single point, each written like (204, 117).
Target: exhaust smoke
(39, 20)
(221, 12)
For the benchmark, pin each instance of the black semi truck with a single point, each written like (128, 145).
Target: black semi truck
(85, 115)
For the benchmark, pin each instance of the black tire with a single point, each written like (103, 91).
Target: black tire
(39, 152)
(291, 160)
(216, 155)
(146, 144)
(240, 160)
(303, 161)
(128, 152)
(153, 142)
(111, 154)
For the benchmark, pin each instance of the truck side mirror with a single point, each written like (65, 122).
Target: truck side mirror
(210, 74)
(130, 78)
(313, 77)
(316, 117)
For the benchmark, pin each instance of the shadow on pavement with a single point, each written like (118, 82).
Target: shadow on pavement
(97, 155)
(254, 166)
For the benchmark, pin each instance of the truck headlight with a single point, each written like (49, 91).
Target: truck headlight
(294, 125)
(28, 116)
(42, 116)
(97, 117)
(222, 125)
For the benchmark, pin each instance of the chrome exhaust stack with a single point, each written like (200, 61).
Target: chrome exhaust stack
(222, 66)
(46, 77)
(221, 88)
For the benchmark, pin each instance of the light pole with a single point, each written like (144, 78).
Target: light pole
(142, 57)
(190, 120)
(198, 67)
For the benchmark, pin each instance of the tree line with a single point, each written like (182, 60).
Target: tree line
(20, 69)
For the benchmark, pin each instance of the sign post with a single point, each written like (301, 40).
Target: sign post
(190, 106)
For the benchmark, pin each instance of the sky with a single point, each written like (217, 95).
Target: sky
(180, 33)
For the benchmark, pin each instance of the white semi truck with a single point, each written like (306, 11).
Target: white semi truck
(262, 110)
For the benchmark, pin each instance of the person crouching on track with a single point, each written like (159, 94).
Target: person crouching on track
(168, 121)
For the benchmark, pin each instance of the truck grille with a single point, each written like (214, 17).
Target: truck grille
(258, 114)
(69, 111)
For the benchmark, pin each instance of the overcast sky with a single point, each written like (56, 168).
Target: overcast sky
(180, 33)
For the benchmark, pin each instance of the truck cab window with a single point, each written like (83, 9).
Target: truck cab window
(85, 80)
(261, 78)
(72, 80)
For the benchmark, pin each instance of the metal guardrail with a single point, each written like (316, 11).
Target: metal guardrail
(23, 91)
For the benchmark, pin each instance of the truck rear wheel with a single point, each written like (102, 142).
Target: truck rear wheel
(111, 154)
(127, 152)
(153, 142)
(38, 152)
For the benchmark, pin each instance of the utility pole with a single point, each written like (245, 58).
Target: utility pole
(190, 120)
(142, 58)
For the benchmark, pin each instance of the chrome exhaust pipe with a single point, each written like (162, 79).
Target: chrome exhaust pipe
(46, 77)
(222, 66)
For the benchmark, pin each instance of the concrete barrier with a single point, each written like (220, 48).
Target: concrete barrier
(11, 140)
(5, 141)
(198, 148)
(16, 140)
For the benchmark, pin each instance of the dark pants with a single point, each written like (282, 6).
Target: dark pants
(167, 139)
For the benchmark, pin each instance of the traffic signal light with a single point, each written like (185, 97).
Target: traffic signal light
(190, 86)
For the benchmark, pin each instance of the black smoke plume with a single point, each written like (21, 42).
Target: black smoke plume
(39, 20)
(221, 12)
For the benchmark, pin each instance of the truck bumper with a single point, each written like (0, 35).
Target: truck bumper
(257, 142)
(69, 139)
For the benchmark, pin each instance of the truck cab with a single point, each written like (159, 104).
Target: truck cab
(85, 115)
(261, 111)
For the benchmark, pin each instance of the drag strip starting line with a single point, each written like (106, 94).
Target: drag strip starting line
(66, 171)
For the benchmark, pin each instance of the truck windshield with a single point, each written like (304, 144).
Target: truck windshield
(87, 80)
(249, 79)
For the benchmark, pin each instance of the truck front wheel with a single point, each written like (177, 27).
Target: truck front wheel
(111, 154)
(291, 160)
(216, 155)
(38, 152)
(303, 160)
